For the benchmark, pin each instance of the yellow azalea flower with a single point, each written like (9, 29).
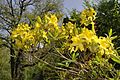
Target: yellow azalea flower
(77, 42)
(26, 47)
(92, 12)
(104, 43)
(87, 16)
(53, 19)
(25, 26)
(47, 18)
(70, 27)
(101, 51)
(44, 35)
(72, 38)
(14, 34)
(37, 25)
(76, 39)
(39, 19)
(90, 18)
(18, 43)
(109, 51)
(87, 34)
(71, 49)
(30, 37)
(23, 35)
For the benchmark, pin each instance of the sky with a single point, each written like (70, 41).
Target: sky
(72, 4)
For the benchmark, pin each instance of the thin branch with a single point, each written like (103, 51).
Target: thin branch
(29, 65)
(57, 68)
(1, 45)
(5, 19)
(28, 3)
(21, 6)
(8, 3)
(11, 7)
(61, 55)
(4, 39)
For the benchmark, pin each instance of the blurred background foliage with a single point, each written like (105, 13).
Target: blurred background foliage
(4, 64)
(108, 16)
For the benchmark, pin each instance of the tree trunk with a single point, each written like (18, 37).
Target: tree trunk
(18, 66)
(12, 62)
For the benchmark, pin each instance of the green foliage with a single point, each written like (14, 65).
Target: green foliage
(108, 17)
(116, 59)
(72, 52)
(41, 49)
(4, 64)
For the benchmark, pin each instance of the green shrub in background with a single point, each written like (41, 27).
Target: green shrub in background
(108, 16)
(5, 72)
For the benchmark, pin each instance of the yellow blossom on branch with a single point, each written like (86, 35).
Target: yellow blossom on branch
(87, 16)
(69, 36)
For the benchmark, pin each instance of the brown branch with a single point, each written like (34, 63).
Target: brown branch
(21, 7)
(8, 3)
(28, 3)
(30, 65)
(4, 39)
(54, 67)
(5, 45)
(61, 55)
(5, 19)
(11, 7)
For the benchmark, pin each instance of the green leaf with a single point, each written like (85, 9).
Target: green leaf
(112, 38)
(61, 64)
(67, 64)
(39, 19)
(110, 32)
(73, 56)
(116, 59)
(51, 36)
(111, 78)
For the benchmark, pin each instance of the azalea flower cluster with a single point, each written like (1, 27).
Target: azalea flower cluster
(87, 39)
(87, 16)
(23, 36)
(48, 30)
